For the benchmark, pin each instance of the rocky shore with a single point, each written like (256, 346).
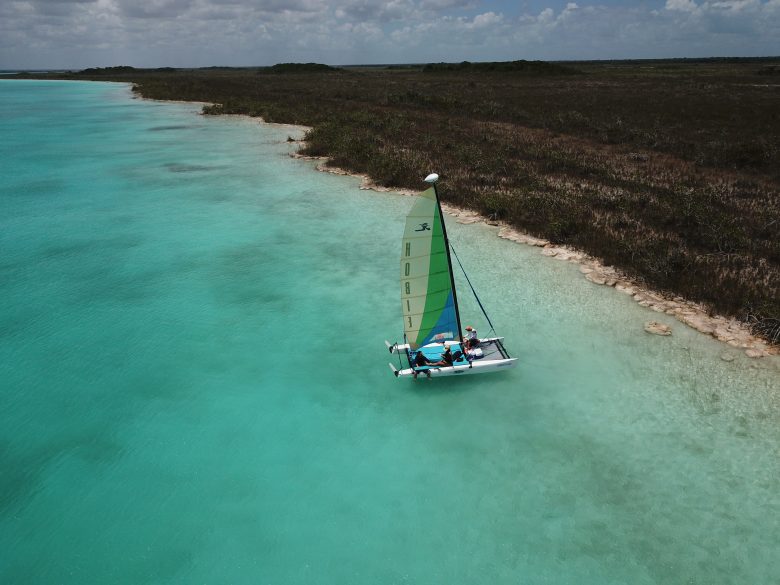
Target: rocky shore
(728, 330)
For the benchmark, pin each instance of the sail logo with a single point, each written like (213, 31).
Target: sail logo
(444, 335)
(424, 227)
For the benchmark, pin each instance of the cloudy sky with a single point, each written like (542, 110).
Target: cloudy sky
(182, 33)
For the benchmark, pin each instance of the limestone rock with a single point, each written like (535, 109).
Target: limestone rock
(697, 321)
(520, 238)
(727, 357)
(723, 334)
(657, 328)
(755, 353)
(596, 277)
(569, 255)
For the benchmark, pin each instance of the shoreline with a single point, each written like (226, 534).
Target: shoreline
(244, 117)
(727, 330)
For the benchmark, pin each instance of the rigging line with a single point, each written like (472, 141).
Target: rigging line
(493, 329)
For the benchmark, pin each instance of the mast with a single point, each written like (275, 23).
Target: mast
(432, 178)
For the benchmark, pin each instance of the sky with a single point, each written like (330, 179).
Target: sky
(74, 34)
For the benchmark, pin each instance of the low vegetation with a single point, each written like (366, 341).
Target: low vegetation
(522, 67)
(299, 68)
(666, 169)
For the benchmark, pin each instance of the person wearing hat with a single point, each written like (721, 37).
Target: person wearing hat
(446, 357)
(470, 340)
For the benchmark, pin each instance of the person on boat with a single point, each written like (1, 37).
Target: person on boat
(470, 340)
(446, 357)
(420, 360)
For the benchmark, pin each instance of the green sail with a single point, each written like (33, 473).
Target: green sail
(427, 297)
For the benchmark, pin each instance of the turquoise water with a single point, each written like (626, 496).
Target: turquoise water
(195, 388)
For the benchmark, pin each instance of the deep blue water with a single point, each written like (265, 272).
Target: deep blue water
(195, 388)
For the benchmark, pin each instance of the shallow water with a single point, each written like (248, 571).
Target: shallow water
(195, 389)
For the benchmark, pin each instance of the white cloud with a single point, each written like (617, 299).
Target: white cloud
(447, 4)
(486, 20)
(546, 15)
(681, 5)
(80, 33)
(155, 8)
(733, 5)
(753, 20)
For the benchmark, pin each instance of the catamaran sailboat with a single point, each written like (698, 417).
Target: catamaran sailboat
(429, 302)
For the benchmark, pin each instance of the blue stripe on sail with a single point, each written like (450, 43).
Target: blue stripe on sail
(445, 328)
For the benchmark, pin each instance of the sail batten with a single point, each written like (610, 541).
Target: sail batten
(403, 296)
(428, 298)
(424, 277)
(423, 313)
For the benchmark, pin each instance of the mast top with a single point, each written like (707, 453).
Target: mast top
(432, 178)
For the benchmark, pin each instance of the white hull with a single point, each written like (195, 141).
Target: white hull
(495, 360)
(477, 367)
